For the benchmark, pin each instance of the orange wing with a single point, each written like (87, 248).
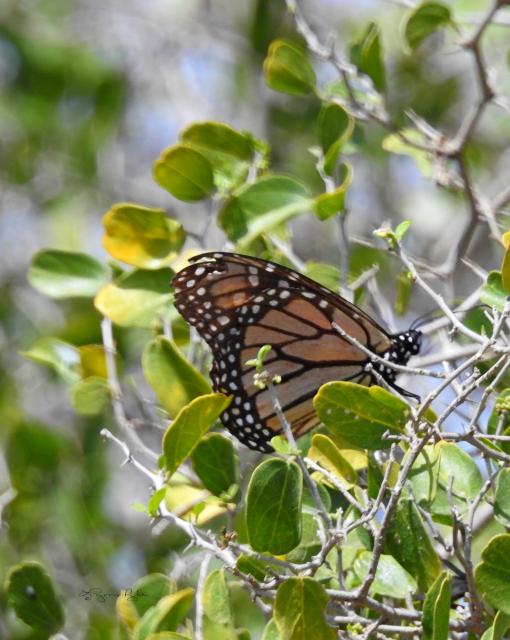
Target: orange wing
(238, 304)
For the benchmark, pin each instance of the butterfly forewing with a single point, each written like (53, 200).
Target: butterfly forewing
(238, 304)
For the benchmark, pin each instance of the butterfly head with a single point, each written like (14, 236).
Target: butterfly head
(405, 345)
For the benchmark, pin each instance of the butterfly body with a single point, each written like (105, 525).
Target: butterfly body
(238, 304)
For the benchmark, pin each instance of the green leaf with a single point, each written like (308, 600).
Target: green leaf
(420, 22)
(89, 396)
(310, 543)
(408, 542)
(436, 608)
(335, 128)
(424, 475)
(229, 152)
(282, 446)
(140, 236)
(251, 566)
(60, 356)
(325, 452)
(502, 498)
(146, 593)
(63, 274)
(505, 264)
(216, 463)
(332, 202)
(93, 361)
(366, 54)
(155, 500)
(402, 228)
(261, 206)
(191, 423)
(271, 631)
(299, 610)
(216, 598)
(287, 69)
(499, 627)
(492, 574)
(493, 293)
(404, 285)
(391, 579)
(136, 299)
(360, 415)
(31, 594)
(325, 274)
(168, 635)
(500, 414)
(166, 615)
(457, 466)
(185, 173)
(273, 506)
(394, 143)
(174, 380)
(33, 453)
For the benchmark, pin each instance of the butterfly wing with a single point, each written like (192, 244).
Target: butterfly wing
(238, 304)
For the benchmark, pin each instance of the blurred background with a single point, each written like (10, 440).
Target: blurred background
(90, 93)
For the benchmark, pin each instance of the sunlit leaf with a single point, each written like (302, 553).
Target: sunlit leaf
(136, 299)
(287, 69)
(499, 627)
(144, 594)
(191, 423)
(174, 380)
(271, 631)
(458, 470)
(89, 396)
(325, 452)
(166, 615)
(395, 143)
(391, 579)
(360, 415)
(229, 152)
(185, 173)
(424, 475)
(261, 206)
(299, 610)
(92, 361)
(332, 202)
(140, 236)
(63, 274)
(492, 574)
(60, 356)
(493, 293)
(436, 608)
(325, 274)
(216, 598)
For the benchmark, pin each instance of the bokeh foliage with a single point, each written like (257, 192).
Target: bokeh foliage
(318, 163)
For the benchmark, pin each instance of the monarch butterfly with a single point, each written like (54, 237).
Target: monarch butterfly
(239, 303)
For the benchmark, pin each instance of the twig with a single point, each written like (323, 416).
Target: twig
(116, 393)
(199, 600)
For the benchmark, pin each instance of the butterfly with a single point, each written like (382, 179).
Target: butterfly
(238, 304)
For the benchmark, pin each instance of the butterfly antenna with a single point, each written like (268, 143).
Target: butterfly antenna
(423, 319)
